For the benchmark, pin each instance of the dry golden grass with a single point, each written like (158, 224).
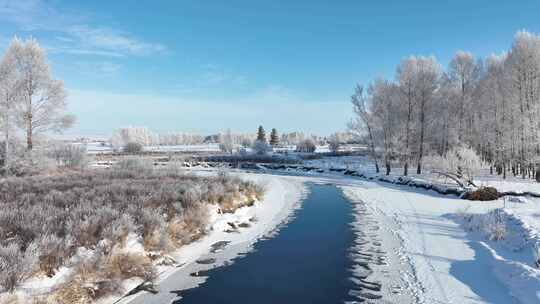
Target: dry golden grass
(72, 292)
(97, 278)
(124, 266)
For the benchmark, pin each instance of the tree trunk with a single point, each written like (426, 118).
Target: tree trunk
(372, 144)
(422, 127)
(29, 143)
(388, 169)
(6, 146)
(408, 132)
(504, 170)
(406, 168)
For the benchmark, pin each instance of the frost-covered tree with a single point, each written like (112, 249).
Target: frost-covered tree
(463, 74)
(9, 96)
(306, 146)
(334, 143)
(139, 135)
(427, 77)
(461, 164)
(226, 143)
(362, 124)
(405, 76)
(524, 60)
(491, 106)
(261, 147)
(43, 98)
(387, 120)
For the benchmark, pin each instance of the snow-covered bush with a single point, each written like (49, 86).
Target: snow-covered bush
(53, 251)
(226, 147)
(31, 163)
(334, 143)
(136, 164)
(140, 135)
(69, 156)
(306, 146)
(492, 224)
(495, 228)
(261, 147)
(119, 229)
(16, 264)
(461, 164)
(132, 148)
(125, 266)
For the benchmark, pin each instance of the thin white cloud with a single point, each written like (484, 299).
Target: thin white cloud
(76, 51)
(112, 40)
(32, 15)
(76, 35)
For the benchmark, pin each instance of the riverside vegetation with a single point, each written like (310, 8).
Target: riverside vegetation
(83, 220)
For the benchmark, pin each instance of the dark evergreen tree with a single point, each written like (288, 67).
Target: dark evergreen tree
(261, 134)
(274, 138)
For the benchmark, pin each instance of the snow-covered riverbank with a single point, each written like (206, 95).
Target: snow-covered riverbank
(452, 264)
(281, 198)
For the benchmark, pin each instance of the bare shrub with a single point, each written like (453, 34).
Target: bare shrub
(68, 156)
(73, 292)
(483, 194)
(306, 146)
(261, 147)
(495, 226)
(16, 264)
(53, 252)
(189, 226)
(119, 229)
(132, 148)
(124, 266)
(137, 164)
(31, 163)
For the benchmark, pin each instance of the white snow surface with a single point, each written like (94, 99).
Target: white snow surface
(452, 262)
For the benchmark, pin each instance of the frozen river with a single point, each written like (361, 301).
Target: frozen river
(307, 262)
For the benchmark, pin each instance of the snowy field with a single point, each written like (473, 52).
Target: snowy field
(104, 148)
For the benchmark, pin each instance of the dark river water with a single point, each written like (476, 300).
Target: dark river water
(307, 262)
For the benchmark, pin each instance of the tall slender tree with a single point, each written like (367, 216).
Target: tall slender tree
(427, 80)
(43, 97)
(362, 124)
(405, 76)
(9, 96)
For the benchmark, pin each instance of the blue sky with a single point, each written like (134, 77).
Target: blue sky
(205, 66)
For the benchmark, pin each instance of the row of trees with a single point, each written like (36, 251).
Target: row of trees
(145, 137)
(489, 105)
(274, 137)
(31, 100)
